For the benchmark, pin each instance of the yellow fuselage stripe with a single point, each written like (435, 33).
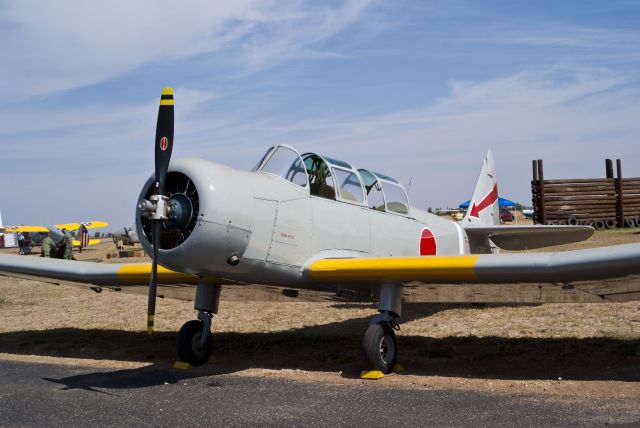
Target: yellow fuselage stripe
(140, 273)
(396, 268)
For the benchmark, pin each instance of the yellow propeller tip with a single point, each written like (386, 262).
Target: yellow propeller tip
(167, 91)
(149, 331)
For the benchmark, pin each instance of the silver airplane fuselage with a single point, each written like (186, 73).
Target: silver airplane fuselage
(257, 227)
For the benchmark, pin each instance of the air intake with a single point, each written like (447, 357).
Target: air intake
(183, 212)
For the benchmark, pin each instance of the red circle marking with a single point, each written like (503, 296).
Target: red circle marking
(428, 244)
(164, 143)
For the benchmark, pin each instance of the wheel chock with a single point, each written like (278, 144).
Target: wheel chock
(182, 365)
(371, 374)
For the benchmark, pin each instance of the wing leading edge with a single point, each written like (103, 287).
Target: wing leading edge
(565, 266)
(93, 273)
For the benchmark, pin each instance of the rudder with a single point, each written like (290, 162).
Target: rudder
(483, 206)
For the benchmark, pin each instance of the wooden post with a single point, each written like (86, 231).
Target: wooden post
(535, 193)
(542, 215)
(619, 195)
(608, 163)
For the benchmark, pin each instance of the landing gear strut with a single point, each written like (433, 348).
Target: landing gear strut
(379, 344)
(194, 342)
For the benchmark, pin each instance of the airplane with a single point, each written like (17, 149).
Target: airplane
(454, 213)
(55, 231)
(130, 236)
(308, 221)
(8, 239)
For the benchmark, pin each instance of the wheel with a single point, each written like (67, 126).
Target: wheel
(188, 344)
(380, 347)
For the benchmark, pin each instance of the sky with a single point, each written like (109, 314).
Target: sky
(418, 90)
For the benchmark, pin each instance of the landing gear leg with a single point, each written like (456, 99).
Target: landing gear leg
(379, 344)
(194, 343)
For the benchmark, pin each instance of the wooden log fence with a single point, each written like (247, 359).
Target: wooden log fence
(607, 202)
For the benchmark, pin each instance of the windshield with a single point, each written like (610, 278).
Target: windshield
(287, 164)
(257, 166)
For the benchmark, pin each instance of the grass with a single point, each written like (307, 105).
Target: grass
(496, 341)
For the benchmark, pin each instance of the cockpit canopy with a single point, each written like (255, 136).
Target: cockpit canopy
(335, 179)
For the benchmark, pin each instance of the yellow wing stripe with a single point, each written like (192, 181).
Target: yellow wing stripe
(77, 243)
(23, 229)
(88, 225)
(141, 272)
(396, 268)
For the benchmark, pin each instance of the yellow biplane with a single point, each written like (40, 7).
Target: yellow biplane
(56, 231)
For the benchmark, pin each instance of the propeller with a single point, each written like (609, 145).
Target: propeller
(163, 147)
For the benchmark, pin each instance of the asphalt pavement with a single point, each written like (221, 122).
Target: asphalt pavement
(57, 395)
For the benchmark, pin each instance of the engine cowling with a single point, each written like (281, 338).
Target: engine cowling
(209, 219)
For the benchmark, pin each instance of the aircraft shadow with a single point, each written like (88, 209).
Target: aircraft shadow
(332, 347)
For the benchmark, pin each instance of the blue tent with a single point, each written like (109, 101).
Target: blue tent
(502, 202)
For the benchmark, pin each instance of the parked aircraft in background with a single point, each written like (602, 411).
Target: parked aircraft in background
(6, 239)
(454, 213)
(129, 237)
(307, 221)
(55, 231)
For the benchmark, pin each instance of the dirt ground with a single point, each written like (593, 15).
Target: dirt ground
(572, 350)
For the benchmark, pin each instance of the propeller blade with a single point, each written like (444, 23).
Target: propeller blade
(163, 148)
(164, 138)
(156, 227)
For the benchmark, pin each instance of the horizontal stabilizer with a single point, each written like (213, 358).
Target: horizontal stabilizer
(565, 266)
(517, 238)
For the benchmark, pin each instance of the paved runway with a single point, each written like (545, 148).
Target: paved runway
(52, 395)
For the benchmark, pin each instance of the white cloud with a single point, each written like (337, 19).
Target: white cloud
(573, 120)
(570, 110)
(49, 47)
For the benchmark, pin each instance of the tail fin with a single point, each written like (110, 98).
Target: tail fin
(6, 239)
(483, 206)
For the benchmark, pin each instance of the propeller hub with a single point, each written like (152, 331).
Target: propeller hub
(179, 210)
(161, 207)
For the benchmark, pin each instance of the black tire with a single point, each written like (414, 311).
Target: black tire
(610, 223)
(599, 224)
(188, 344)
(380, 348)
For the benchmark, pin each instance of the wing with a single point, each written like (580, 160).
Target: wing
(92, 273)
(23, 229)
(77, 243)
(565, 266)
(76, 226)
(516, 238)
